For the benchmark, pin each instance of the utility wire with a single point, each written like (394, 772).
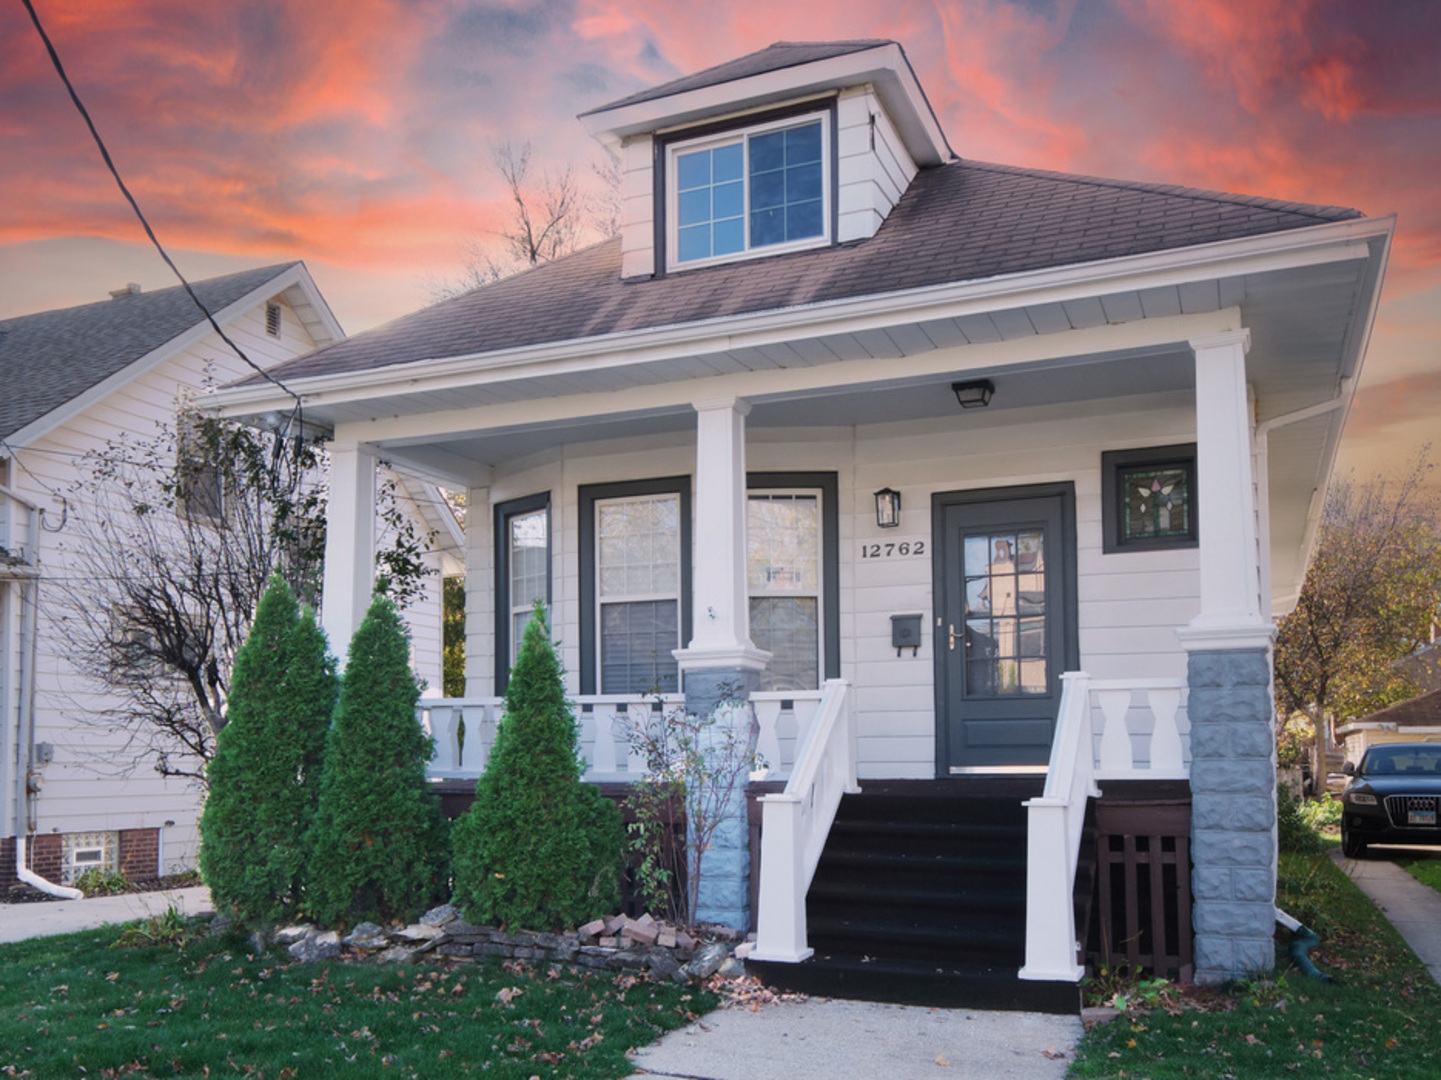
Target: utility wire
(110, 164)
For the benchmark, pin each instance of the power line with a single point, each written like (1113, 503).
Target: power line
(110, 164)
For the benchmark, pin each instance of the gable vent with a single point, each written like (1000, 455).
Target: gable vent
(272, 319)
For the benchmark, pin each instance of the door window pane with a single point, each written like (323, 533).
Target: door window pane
(1005, 583)
(529, 559)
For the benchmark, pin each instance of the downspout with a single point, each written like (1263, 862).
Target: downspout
(1303, 940)
(28, 781)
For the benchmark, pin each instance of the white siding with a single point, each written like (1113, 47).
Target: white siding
(87, 787)
(637, 207)
(874, 166)
(1128, 602)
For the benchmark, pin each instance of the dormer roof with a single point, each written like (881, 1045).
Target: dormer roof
(784, 72)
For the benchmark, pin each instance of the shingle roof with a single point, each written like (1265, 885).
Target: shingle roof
(51, 357)
(782, 54)
(1423, 711)
(959, 222)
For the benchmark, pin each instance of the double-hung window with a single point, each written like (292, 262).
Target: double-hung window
(522, 534)
(761, 189)
(791, 577)
(635, 586)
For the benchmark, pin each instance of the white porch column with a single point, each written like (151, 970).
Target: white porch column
(349, 543)
(1230, 569)
(721, 664)
(721, 636)
(1228, 670)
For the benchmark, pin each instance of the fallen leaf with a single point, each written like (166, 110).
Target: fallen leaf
(942, 1062)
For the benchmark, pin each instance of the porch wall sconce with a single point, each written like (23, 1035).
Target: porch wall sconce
(888, 508)
(974, 395)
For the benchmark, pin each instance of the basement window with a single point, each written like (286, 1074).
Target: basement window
(80, 852)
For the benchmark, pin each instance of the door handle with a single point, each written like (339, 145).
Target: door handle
(953, 637)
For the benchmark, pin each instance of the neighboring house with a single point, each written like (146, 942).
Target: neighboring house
(896, 443)
(1417, 720)
(76, 379)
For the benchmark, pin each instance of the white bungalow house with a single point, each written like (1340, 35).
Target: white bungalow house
(76, 379)
(983, 482)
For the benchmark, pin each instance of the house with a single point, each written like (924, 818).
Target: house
(1416, 720)
(983, 484)
(76, 379)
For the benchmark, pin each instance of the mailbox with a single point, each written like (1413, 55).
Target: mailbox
(906, 633)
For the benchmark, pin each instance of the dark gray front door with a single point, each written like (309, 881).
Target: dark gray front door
(1005, 624)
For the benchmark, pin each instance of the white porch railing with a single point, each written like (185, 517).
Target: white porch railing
(1114, 729)
(464, 731)
(794, 824)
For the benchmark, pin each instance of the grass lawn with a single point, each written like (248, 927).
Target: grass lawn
(72, 1006)
(1424, 866)
(1379, 1020)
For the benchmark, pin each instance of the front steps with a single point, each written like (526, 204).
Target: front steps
(920, 898)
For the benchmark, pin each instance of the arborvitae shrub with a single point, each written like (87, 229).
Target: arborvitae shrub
(540, 849)
(379, 848)
(265, 775)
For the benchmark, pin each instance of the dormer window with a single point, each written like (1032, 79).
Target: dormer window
(763, 189)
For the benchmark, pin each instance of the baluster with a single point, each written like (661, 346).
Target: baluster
(604, 763)
(482, 732)
(585, 728)
(1116, 755)
(1166, 755)
(768, 743)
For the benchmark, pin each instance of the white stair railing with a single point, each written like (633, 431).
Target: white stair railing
(795, 823)
(1084, 751)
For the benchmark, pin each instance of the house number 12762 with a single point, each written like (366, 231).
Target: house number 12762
(892, 549)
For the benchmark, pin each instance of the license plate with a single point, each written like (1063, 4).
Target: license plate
(1421, 817)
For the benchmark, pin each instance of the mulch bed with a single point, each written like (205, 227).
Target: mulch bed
(24, 894)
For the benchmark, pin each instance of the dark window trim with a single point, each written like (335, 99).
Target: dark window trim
(588, 495)
(829, 488)
(720, 127)
(1112, 516)
(504, 511)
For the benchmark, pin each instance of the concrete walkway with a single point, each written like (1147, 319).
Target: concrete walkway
(21, 921)
(1414, 909)
(822, 1039)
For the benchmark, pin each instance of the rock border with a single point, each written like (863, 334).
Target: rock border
(618, 943)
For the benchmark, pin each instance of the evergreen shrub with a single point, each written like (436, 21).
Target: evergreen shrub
(539, 849)
(379, 849)
(265, 775)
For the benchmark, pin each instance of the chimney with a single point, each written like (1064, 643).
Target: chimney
(132, 289)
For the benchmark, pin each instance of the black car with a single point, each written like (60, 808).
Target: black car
(1392, 798)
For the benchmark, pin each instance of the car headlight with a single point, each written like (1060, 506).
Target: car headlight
(1360, 798)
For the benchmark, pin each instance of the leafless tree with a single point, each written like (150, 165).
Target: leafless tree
(171, 540)
(548, 218)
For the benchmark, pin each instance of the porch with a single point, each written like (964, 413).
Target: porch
(994, 946)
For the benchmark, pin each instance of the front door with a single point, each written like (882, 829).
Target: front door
(1005, 577)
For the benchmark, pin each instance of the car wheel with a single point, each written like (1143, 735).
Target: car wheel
(1352, 847)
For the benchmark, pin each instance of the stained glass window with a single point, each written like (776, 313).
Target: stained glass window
(1149, 498)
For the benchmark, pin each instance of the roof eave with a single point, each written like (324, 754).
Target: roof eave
(294, 282)
(884, 66)
(1332, 242)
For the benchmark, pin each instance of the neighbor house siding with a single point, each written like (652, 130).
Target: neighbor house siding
(87, 787)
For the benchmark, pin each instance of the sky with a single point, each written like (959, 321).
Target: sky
(359, 135)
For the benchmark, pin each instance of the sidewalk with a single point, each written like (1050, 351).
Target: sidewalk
(822, 1039)
(1414, 909)
(21, 921)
